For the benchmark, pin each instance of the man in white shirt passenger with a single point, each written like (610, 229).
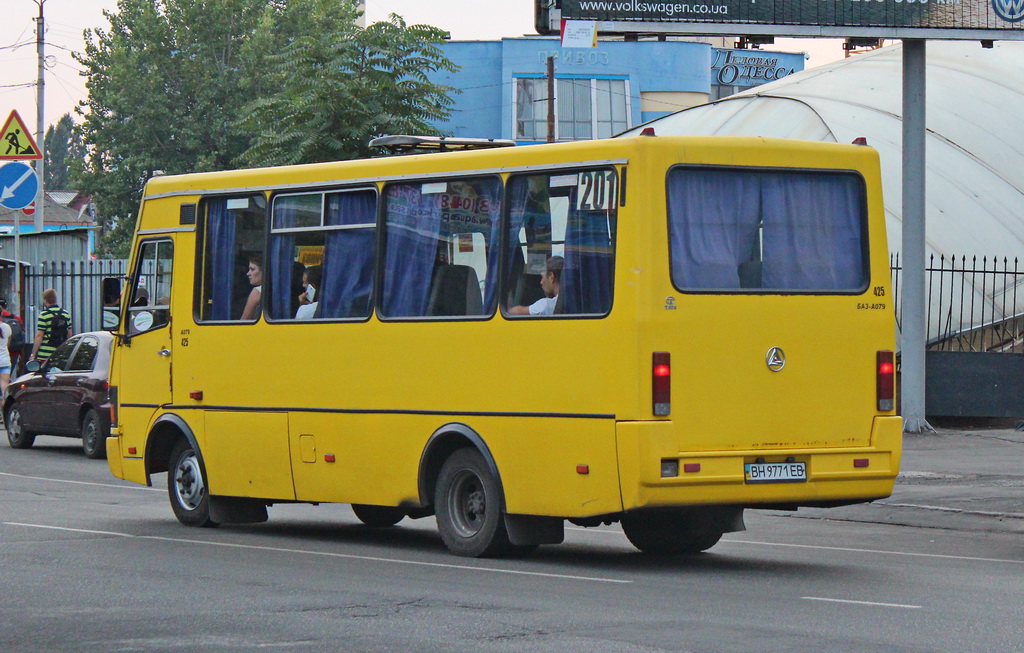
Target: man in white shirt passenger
(551, 283)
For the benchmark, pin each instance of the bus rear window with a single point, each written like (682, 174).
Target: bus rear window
(767, 230)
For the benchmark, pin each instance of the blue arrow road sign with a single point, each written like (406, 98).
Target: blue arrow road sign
(18, 185)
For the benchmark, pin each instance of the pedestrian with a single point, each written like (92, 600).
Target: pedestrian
(52, 328)
(16, 342)
(5, 357)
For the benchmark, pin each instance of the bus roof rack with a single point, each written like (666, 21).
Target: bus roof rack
(420, 144)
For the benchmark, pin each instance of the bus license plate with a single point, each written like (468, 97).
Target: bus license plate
(775, 472)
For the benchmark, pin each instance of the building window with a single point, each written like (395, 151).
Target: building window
(584, 108)
(719, 91)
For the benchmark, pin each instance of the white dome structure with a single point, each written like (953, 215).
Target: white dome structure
(974, 150)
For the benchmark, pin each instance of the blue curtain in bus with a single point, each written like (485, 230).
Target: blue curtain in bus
(412, 225)
(282, 260)
(713, 217)
(812, 232)
(347, 285)
(587, 278)
(220, 243)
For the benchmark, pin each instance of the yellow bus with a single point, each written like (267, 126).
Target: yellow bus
(655, 331)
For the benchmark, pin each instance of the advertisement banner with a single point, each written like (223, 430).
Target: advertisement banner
(1001, 15)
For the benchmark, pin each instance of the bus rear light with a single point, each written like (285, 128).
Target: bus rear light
(691, 468)
(860, 462)
(647, 131)
(661, 383)
(583, 469)
(886, 380)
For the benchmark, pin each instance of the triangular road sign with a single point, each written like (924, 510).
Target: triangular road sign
(16, 140)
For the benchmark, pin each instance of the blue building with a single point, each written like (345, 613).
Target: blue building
(598, 91)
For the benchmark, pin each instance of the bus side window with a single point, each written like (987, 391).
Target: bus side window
(441, 248)
(149, 307)
(328, 239)
(570, 215)
(233, 265)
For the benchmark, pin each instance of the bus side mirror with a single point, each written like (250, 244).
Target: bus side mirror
(111, 309)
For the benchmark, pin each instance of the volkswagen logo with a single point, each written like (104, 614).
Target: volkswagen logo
(1011, 11)
(776, 359)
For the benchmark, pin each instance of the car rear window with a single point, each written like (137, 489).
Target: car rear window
(744, 230)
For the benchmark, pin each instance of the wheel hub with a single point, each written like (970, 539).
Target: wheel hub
(188, 483)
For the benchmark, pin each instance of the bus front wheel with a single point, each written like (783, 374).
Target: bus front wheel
(468, 507)
(186, 486)
(669, 532)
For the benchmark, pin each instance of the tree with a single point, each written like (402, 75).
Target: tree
(63, 149)
(334, 86)
(197, 85)
(163, 85)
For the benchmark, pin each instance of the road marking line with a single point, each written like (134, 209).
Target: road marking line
(883, 605)
(875, 551)
(347, 556)
(64, 480)
(824, 548)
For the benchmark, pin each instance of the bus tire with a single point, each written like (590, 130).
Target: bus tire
(668, 532)
(187, 487)
(94, 442)
(468, 507)
(18, 436)
(378, 516)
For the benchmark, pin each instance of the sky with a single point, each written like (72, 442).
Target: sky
(66, 19)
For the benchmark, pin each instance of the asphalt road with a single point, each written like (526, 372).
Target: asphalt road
(91, 563)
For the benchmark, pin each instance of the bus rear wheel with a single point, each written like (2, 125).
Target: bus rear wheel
(186, 486)
(378, 516)
(468, 507)
(669, 532)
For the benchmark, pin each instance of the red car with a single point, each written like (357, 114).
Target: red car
(66, 395)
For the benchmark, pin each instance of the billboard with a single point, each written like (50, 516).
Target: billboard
(939, 19)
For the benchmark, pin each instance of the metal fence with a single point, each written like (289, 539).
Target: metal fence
(973, 304)
(79, 286)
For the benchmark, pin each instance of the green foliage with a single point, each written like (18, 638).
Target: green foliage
(63, 149)
(334, 86)
(196, 85)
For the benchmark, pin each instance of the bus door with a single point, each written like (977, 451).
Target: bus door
(145, 352)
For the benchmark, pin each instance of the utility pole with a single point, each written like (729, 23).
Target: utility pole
(551, 99)
(40, 119)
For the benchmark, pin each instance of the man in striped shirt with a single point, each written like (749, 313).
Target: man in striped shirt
(52, 328)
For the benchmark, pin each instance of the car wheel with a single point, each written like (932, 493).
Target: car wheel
(468, 507)
(17, 435)
(94, 441)
(186, 486)
(378, 516)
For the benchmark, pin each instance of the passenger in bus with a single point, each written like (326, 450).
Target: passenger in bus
(311, 279)
(141, 297)
(551, 283)
(255, 276)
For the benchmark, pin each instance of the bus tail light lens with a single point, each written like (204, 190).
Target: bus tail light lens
(886, 376)
(661, 383)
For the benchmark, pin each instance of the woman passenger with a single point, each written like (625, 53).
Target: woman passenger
(255, 276)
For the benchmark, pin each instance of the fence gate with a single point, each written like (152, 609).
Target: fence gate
(79, 286)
